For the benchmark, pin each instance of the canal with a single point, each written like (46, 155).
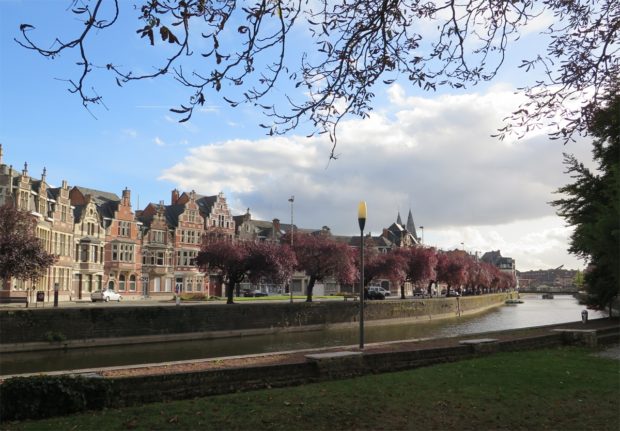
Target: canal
(535, 311)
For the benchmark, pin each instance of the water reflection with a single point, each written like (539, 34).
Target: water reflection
(533, 312)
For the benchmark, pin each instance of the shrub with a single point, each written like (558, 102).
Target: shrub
(39, 397)
(193, 297)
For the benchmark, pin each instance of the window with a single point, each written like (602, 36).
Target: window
(124, 228)
(160, 258)
(123, 252)
(186, 257)
(121, 282)
(132, 283)
(168, 287)
(189, 285)
(157, 236)
(157, 285)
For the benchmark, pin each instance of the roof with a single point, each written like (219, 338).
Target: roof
(205, 203)
(172, 214)
(98, 196)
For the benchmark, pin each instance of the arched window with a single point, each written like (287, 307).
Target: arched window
(132, 283)
(121, 282)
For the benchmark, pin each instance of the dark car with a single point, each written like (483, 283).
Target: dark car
(373, 294)
(254, 293)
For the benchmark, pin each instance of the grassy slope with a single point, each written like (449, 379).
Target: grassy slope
(564, 389)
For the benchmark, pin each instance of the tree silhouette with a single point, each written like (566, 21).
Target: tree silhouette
(245, 50)
(592, 205)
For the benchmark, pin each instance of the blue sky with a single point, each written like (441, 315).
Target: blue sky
(431, 152)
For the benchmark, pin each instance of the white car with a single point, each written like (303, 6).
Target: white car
(105, 295)
(380, 290)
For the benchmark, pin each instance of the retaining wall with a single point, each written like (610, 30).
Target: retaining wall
(64, 327)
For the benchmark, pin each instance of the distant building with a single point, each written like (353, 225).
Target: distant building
(505, 264)
(557, 278)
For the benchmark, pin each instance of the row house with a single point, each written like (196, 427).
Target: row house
(50, 209)
(109, 242)
(172, 238)
(88, 239)
(158, 254)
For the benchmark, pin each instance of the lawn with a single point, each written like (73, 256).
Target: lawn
(559, 389)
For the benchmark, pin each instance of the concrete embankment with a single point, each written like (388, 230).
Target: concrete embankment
(159, 382)
(45, 329)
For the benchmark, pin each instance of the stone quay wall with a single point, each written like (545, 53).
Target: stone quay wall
(81, 327)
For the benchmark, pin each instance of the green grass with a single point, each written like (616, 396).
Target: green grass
(563, 389)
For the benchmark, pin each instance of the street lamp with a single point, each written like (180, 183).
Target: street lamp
(361, 218)
(290, 286)
(422, 229)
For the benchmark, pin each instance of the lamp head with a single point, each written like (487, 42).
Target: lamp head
(361, 214)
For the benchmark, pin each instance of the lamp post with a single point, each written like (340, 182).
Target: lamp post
(361, 218)
(422, 229)
(290, 286)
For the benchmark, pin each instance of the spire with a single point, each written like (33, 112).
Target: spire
(411, 225)
(0, 154)
(399, 220)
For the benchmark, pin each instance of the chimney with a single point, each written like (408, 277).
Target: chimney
(127, 197)
(65, 185)
(175, 197)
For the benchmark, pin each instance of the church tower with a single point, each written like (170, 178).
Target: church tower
(410, 226)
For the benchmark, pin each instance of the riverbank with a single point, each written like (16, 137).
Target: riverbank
(566, 389)
(73, 328)
(152, 383)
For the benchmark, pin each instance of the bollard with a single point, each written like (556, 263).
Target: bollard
(178, 299)
(584, 316)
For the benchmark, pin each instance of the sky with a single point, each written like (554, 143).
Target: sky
(431, 153)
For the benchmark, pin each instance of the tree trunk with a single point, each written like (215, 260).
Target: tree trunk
(430, 287)
(229, 293)
(402, 290)
(309, 288)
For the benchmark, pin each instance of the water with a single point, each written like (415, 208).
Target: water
(533, 312)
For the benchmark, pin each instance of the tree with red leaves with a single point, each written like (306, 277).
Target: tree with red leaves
(452, 268)
(320, 257)
(228, 259)
(419, 266)
(21, 253)
(256, 261)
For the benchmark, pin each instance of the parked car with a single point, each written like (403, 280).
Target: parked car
(105, 295)
(379, 289)
(254, 293)
(373, 294)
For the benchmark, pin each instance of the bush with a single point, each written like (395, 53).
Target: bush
(46, 396)
(193, 297)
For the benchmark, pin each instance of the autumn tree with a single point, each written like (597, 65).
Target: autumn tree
(321, 257)
(254, 261)
(452, 267)
(21, 254)
(229, 259)
(244, 51)
(591, 204)
(420, 266)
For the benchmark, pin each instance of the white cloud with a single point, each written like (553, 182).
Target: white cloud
(159, 142)
(434, 156)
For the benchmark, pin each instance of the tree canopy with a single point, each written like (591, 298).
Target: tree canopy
(21, 254)
(320, 257)
(245, 51)
(256, 261)
(591, 204)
